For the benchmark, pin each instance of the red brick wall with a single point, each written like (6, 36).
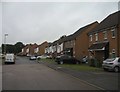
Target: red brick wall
(32, 47)
(70, 44)
(42, 48)
(112, 41)
(82, 43)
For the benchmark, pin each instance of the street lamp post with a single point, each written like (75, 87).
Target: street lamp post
(5, 35)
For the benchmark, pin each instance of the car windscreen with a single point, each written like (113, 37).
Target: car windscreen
(110, 60)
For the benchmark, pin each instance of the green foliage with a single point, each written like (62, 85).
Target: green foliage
(18, 47)
(95, 63)
(91, 62)
(81, 67)
(98, 63)
(9, 48)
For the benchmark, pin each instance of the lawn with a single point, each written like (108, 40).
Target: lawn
(79, 67)
(51, 61)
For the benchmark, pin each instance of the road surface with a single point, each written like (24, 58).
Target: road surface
(0, 73)
(30, 75)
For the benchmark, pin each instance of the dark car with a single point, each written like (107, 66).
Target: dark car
(66, 59)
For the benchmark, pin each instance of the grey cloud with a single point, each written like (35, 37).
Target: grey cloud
(37, 22)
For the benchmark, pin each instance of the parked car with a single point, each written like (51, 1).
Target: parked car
(66, 59)
(85, 59)
(38, 57)
(112, 64)
(49, 56)
(44, 57)
(10, 58)
(33, 58)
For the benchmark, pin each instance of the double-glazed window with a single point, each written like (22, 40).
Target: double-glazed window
(113, 32)
(113, 53)
(96, 37)
(105, 34)
(90, 37)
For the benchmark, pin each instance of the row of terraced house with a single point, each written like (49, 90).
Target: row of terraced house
(98, 40)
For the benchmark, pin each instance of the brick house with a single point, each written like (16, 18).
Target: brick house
(24, 50)
(82, 40)
(74, 45)
(40, 49)
(54, 49)
(28, 50)
(104, 40)
(69, 45)
(47, 49)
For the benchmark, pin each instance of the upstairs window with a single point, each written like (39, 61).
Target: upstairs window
(96, 37)
(113, 53)
(90, 38)
(113, 32)
(22, 50)
(105, 34)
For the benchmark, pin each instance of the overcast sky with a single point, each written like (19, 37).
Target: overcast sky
(36, 22)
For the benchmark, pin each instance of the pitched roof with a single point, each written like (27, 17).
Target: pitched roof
(72, 36)
(78, 32)
(110, 21)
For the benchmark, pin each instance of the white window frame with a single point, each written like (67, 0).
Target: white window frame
(91, 39)
(22, 50)
(27, 51)
(113, 50)
(113, 30)
(96, 37)
(36, 50)
(105, 35)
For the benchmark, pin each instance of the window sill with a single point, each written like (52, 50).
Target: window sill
(113, 37)
(105, 38)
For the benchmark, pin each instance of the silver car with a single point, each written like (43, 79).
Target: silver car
(112, 64)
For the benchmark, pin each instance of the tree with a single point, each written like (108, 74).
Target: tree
(8, 48)
(18, 47)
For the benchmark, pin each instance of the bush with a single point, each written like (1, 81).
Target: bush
(91, 62)
(98, 63)
(95, 63)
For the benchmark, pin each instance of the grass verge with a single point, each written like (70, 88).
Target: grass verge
(78, 67)
(81, 67)
(51, 61)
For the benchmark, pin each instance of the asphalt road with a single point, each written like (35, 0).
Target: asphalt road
(30, 75)
(0, 73)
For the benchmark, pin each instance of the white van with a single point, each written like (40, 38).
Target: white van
(10, 58)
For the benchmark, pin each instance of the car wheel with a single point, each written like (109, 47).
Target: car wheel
(116, 69)
(61, 62)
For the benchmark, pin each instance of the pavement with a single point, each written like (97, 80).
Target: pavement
(103, 80)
